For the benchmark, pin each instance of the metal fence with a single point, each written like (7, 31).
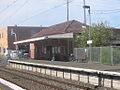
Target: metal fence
(104, 55)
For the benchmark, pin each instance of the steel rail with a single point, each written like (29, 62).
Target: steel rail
(14, 82)
(50, 79)
(42, 83)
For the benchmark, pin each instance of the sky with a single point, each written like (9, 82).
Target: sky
(50, 12)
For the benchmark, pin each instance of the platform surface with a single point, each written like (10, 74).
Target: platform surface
(4, 87)
(94, 66)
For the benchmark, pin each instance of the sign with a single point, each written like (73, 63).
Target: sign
(89, 42)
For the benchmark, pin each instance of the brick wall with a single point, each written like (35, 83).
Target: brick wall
(3, 40)
(44, 49)
(22, 33)
(32, 50)
(6, 39)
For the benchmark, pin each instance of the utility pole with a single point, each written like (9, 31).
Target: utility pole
(68, 50)
(89, 42)
(84, 12)
(67, 10)
(90, 45)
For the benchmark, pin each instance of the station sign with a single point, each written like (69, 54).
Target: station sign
(89, 42)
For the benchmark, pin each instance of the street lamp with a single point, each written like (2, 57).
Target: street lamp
(89, 42)
(67, 10)
(13, 33)
(84, 12)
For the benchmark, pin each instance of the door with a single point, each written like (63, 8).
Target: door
(49, 52)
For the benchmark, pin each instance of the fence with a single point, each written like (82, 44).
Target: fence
(104, 55)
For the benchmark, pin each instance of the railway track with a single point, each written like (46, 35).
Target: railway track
(33, 81)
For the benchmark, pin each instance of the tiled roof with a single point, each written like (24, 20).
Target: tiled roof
(66, 27)
(116, 30)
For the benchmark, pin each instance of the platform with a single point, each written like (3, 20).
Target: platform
(94, 66)
(91, 73)
(4, 87)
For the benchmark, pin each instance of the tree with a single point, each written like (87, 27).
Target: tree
(101, 35)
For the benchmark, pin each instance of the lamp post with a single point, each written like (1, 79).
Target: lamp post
(84, 12)
(89, 42)
(13, 33)
(67, 10)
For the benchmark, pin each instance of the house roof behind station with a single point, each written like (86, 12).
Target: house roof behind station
(65, 27)
(116, 30)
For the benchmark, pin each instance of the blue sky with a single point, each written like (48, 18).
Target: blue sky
(50, 12)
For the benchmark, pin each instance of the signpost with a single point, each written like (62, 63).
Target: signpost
(89, 42)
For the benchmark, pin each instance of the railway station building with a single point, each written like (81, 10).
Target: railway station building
(54, 42)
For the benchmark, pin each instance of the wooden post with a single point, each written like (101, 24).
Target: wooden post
(56, 72)
(78, 77)
(63, 74)
(99, 80)
(88, 79)
(51, 72)
(111, 83)
(70, 75)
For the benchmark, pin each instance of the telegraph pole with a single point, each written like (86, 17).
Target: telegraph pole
(84, 12)
(67, 10)
(68, 51)
(89, 42)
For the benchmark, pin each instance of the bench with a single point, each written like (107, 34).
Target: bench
(80, 58)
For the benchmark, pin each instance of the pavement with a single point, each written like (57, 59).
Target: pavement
(4, 87)
(95, 66)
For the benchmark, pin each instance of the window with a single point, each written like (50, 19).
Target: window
(118, 36)
(63, 51)
(1, 35)
(58, 49)
(0, 49)
(53, 50)
(45, 50)
(33, 32)
(4, 50)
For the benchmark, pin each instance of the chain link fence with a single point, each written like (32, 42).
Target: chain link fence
(104, 55)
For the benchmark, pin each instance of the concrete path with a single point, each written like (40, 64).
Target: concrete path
(95, 66)
(3, 87)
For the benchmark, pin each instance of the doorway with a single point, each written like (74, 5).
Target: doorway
(49, 52)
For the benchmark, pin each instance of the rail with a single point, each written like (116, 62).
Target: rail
(100, 75)
(35, 78)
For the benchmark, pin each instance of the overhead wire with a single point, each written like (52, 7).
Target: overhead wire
(103, 12)
(44, 12)
(16, 11)
(8, 6)
(116, 26)
(28, 18)
(103, 9)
